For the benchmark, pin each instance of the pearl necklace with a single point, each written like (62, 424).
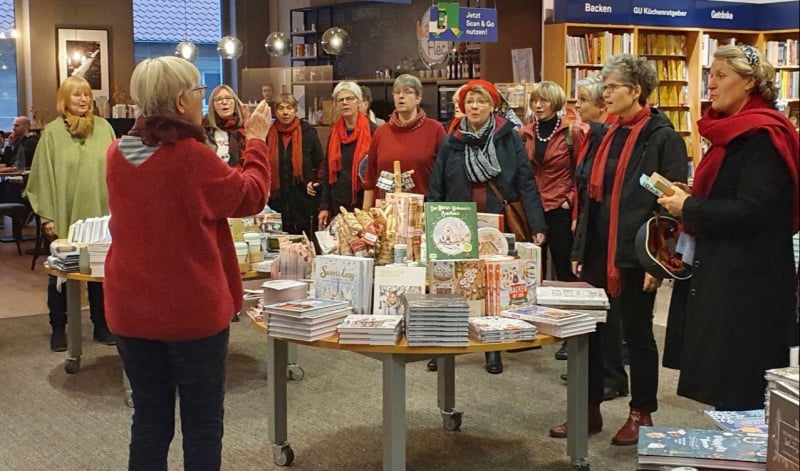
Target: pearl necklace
(546, 139)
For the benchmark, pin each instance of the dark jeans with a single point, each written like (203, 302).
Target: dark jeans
(614, 372)
(635, 308)
(559, 241)
(57, 303)
(196, 369)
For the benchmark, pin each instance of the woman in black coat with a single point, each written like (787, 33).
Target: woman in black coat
(485, 147)
(640, 140)
(295, 157)
(736, 316)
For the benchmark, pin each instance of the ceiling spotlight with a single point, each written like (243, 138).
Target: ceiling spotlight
(277, 44)
(335, 40)
(229, 47)
(188, 50)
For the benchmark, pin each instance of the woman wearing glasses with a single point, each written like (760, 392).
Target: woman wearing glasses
(348, 145)
(736, 317)
(224, 125)
(171, 196)
(295, 156)
(640, 140)
(483, 148)
(409, 136)
(67, 183)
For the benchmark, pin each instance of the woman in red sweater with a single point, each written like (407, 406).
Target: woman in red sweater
(409, 136)
(172, 277)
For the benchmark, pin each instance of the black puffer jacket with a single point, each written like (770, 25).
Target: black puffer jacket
(449, 180)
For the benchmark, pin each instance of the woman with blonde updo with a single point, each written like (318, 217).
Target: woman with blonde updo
(736, 316)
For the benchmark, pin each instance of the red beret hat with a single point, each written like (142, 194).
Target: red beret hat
(488, 86)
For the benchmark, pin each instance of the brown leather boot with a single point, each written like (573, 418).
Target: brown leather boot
(629, 433)
(595, 421)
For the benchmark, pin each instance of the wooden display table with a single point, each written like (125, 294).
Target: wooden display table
(394, 359)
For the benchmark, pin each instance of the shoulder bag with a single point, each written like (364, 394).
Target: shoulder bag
(514, 216)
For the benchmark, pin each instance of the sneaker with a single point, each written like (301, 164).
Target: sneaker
(58, 339)
(104, 336)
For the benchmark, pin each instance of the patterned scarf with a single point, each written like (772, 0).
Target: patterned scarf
(236, 140)
(480, 157)
(720, 130)
(636, 122)
(361, 136)
(160, 130)
(274, 143)
(394, 121)
(79, 126)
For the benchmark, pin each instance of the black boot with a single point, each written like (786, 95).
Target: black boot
(103, 335)
(433, 365)
(58, 339)
(561, 354)
(494, 363)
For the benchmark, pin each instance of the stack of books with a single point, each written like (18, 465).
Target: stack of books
(783, 417)
(663, 447)
(370, 329)
(551, 321)
(344, 278)
(97, 257)
(747, 421)
(575, 296)
(495, 329)
(437, 320)
(306, 319)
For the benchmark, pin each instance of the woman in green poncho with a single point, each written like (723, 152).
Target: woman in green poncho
(67, 183)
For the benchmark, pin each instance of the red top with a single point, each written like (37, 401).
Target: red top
(416, 150)
(172, 272)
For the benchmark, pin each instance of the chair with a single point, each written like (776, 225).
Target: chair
(18, 212)
(42, 246)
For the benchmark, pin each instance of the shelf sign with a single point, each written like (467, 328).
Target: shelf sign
(726, 15)
(661, 13)
(593, 11)
(450, 22)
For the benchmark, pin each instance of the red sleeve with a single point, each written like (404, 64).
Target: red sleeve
(440, 135)
(371, 176)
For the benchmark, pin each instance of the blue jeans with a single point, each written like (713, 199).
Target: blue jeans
(196, 371)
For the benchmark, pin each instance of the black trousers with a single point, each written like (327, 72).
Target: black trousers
(57, 303)
(559, 241)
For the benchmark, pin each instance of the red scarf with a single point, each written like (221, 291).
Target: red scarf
(236, 139)
(395, 123)
(720, 130)
(274, 143)
(361, 136)
(637, 122)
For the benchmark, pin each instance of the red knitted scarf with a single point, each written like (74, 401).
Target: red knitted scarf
(395, 123)
(636, 122)
(361, 136)
(274, 143)
(720, 130)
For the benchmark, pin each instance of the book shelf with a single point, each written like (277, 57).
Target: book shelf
(681, 57)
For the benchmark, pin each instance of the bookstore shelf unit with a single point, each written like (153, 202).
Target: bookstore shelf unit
(681, 57)
(307, 25)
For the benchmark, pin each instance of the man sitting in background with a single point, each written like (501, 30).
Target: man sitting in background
(18, 151)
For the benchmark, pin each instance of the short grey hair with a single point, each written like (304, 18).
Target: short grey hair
(347, 86)
(594, 85)
(410, 81)
(156, 82)
(632, 70)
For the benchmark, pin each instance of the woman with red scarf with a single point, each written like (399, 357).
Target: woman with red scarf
(736, 316)
(295, 155)
(409, 136)
(224, 125)
(640, 140)
(348, 145)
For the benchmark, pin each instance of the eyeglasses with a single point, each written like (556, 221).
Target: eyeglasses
(201, 89)
(479, 102)
(612, 87)
(404, 91)
(220, 99)
(346, 99)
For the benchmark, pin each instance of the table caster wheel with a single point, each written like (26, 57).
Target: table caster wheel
(72, 365)
(582, 466)
(451, 420)
(129, 403)
(295, 372)
(284, 456)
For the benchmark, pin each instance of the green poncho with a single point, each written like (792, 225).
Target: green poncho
(68, 175)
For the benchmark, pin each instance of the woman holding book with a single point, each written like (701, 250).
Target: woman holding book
(639, 140)
(348, 145)
(409, 137)
(484, 148)
(295, 156)
(736, 316)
